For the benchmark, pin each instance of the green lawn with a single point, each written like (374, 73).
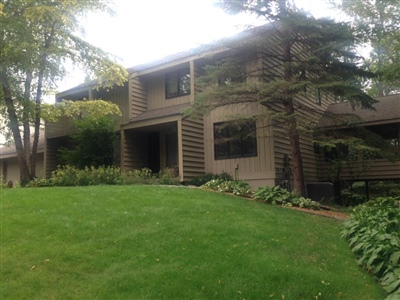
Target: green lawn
(152, 242)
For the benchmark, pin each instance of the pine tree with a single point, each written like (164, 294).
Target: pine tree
(313, 57)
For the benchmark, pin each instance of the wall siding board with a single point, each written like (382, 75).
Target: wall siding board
(138, 96)
(192, 148)
(377, 170)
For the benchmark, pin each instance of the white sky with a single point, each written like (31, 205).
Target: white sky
(146, 30)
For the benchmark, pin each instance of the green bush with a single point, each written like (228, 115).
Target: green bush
(140, 176)
(39, 182)
(203, 179)
(373, 232)
(280, 196)
(236, 187)
(168, 177)
(71, 176)
(93, 143)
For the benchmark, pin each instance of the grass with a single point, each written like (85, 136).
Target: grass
(151, 242)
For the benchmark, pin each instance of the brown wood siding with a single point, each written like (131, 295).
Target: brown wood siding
(118, 95)
(156, 93)
(138, 94)
(192, 148)
(373, 170)
(64, 127)
(257, 170)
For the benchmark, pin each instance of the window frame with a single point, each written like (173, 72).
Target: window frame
(230, 147)
(177, 78)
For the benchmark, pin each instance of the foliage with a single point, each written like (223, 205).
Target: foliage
(236, 187)
(93, 143)
(378, 23)
(144, 173)
(72, 176)
(355, 193)
(280, 196)
(79, 109)
(354, 147)
(168, 176)
(373, 233)
(38, 38)
(387, 188)
(203, 179)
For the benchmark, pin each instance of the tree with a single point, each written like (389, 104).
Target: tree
(378, 23)
(37, 40)
(94, 142)
(315, 56)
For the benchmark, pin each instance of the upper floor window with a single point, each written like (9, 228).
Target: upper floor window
(177, 84)
(235, 140)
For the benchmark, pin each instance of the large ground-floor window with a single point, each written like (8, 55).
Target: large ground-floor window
(232, 140)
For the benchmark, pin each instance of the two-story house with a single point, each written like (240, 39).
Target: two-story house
(155, 133)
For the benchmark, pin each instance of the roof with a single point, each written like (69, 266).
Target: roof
(161, 112)
(202, 49)
(386, 110)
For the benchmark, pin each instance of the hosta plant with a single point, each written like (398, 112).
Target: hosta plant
(373, 232)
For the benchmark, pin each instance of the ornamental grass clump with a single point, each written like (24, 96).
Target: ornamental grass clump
(373, 233)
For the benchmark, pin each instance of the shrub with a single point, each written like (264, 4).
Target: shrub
(280, 196)
(168, 177)
(373, 232)
(93, 143)
(272, 194)
(203, 179)
(71, 176)
(39, 182)
(142, 176)
(236, 187)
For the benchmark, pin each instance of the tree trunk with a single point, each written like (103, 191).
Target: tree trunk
(47, 42)
(294, 138)
(27, 116)
(287, 100)
(23, 163)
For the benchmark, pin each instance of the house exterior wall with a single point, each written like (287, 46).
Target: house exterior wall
(378, 169)
(9, 168)
(257, 170)
(156, 93)
(137, 101)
